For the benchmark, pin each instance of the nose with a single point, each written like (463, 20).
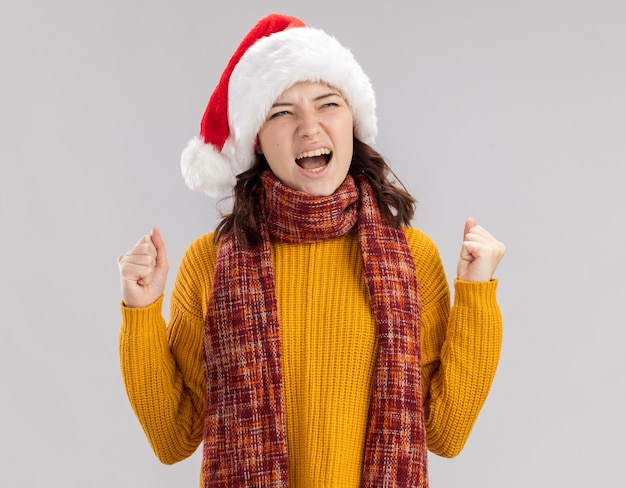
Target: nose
(309, 124)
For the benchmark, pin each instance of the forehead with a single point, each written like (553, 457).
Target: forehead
(308, 88)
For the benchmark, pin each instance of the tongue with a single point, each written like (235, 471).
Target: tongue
(312, 162)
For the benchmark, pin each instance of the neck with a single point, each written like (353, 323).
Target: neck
(294, 216)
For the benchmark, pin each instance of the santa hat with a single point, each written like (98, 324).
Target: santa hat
(278, 52)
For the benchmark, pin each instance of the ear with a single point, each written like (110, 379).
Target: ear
(257, 146)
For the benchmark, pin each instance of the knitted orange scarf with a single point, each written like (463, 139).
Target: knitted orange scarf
(245, 442)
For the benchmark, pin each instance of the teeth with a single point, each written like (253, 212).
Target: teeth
(314, 152)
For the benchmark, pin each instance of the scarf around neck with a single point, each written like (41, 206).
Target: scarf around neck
(245, 440)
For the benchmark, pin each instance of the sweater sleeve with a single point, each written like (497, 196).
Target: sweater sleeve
(460, 349)
(162, 366)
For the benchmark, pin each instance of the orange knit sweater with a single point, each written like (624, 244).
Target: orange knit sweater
(328, 338)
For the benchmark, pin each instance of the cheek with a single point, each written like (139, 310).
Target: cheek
(348, 149)
(271, 140)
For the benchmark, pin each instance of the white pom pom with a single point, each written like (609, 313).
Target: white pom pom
(206, 169)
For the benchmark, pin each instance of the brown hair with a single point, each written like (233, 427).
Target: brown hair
(396, 204)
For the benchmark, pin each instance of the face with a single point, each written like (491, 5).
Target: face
(307, 138)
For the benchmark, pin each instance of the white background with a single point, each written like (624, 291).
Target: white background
(511, 112)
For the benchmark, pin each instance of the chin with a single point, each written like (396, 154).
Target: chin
(319, 190)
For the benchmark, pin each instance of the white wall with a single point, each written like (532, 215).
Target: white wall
(512, 112)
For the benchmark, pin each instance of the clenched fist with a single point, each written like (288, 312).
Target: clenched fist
(143, 271)
(480, 254)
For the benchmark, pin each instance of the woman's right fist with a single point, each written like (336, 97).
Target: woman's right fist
(143, 271)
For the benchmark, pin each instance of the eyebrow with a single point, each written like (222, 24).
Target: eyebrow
(316, 99)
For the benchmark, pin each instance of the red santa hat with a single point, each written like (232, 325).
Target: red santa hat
(278, 52)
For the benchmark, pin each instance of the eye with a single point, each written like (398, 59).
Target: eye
(332, 101)
(276, 115)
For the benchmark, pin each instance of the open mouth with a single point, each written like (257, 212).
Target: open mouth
(314, 161)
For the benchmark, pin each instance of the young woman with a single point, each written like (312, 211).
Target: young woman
(311, 341)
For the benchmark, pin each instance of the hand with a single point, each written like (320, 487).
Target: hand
(143, 271)
(480, 254)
